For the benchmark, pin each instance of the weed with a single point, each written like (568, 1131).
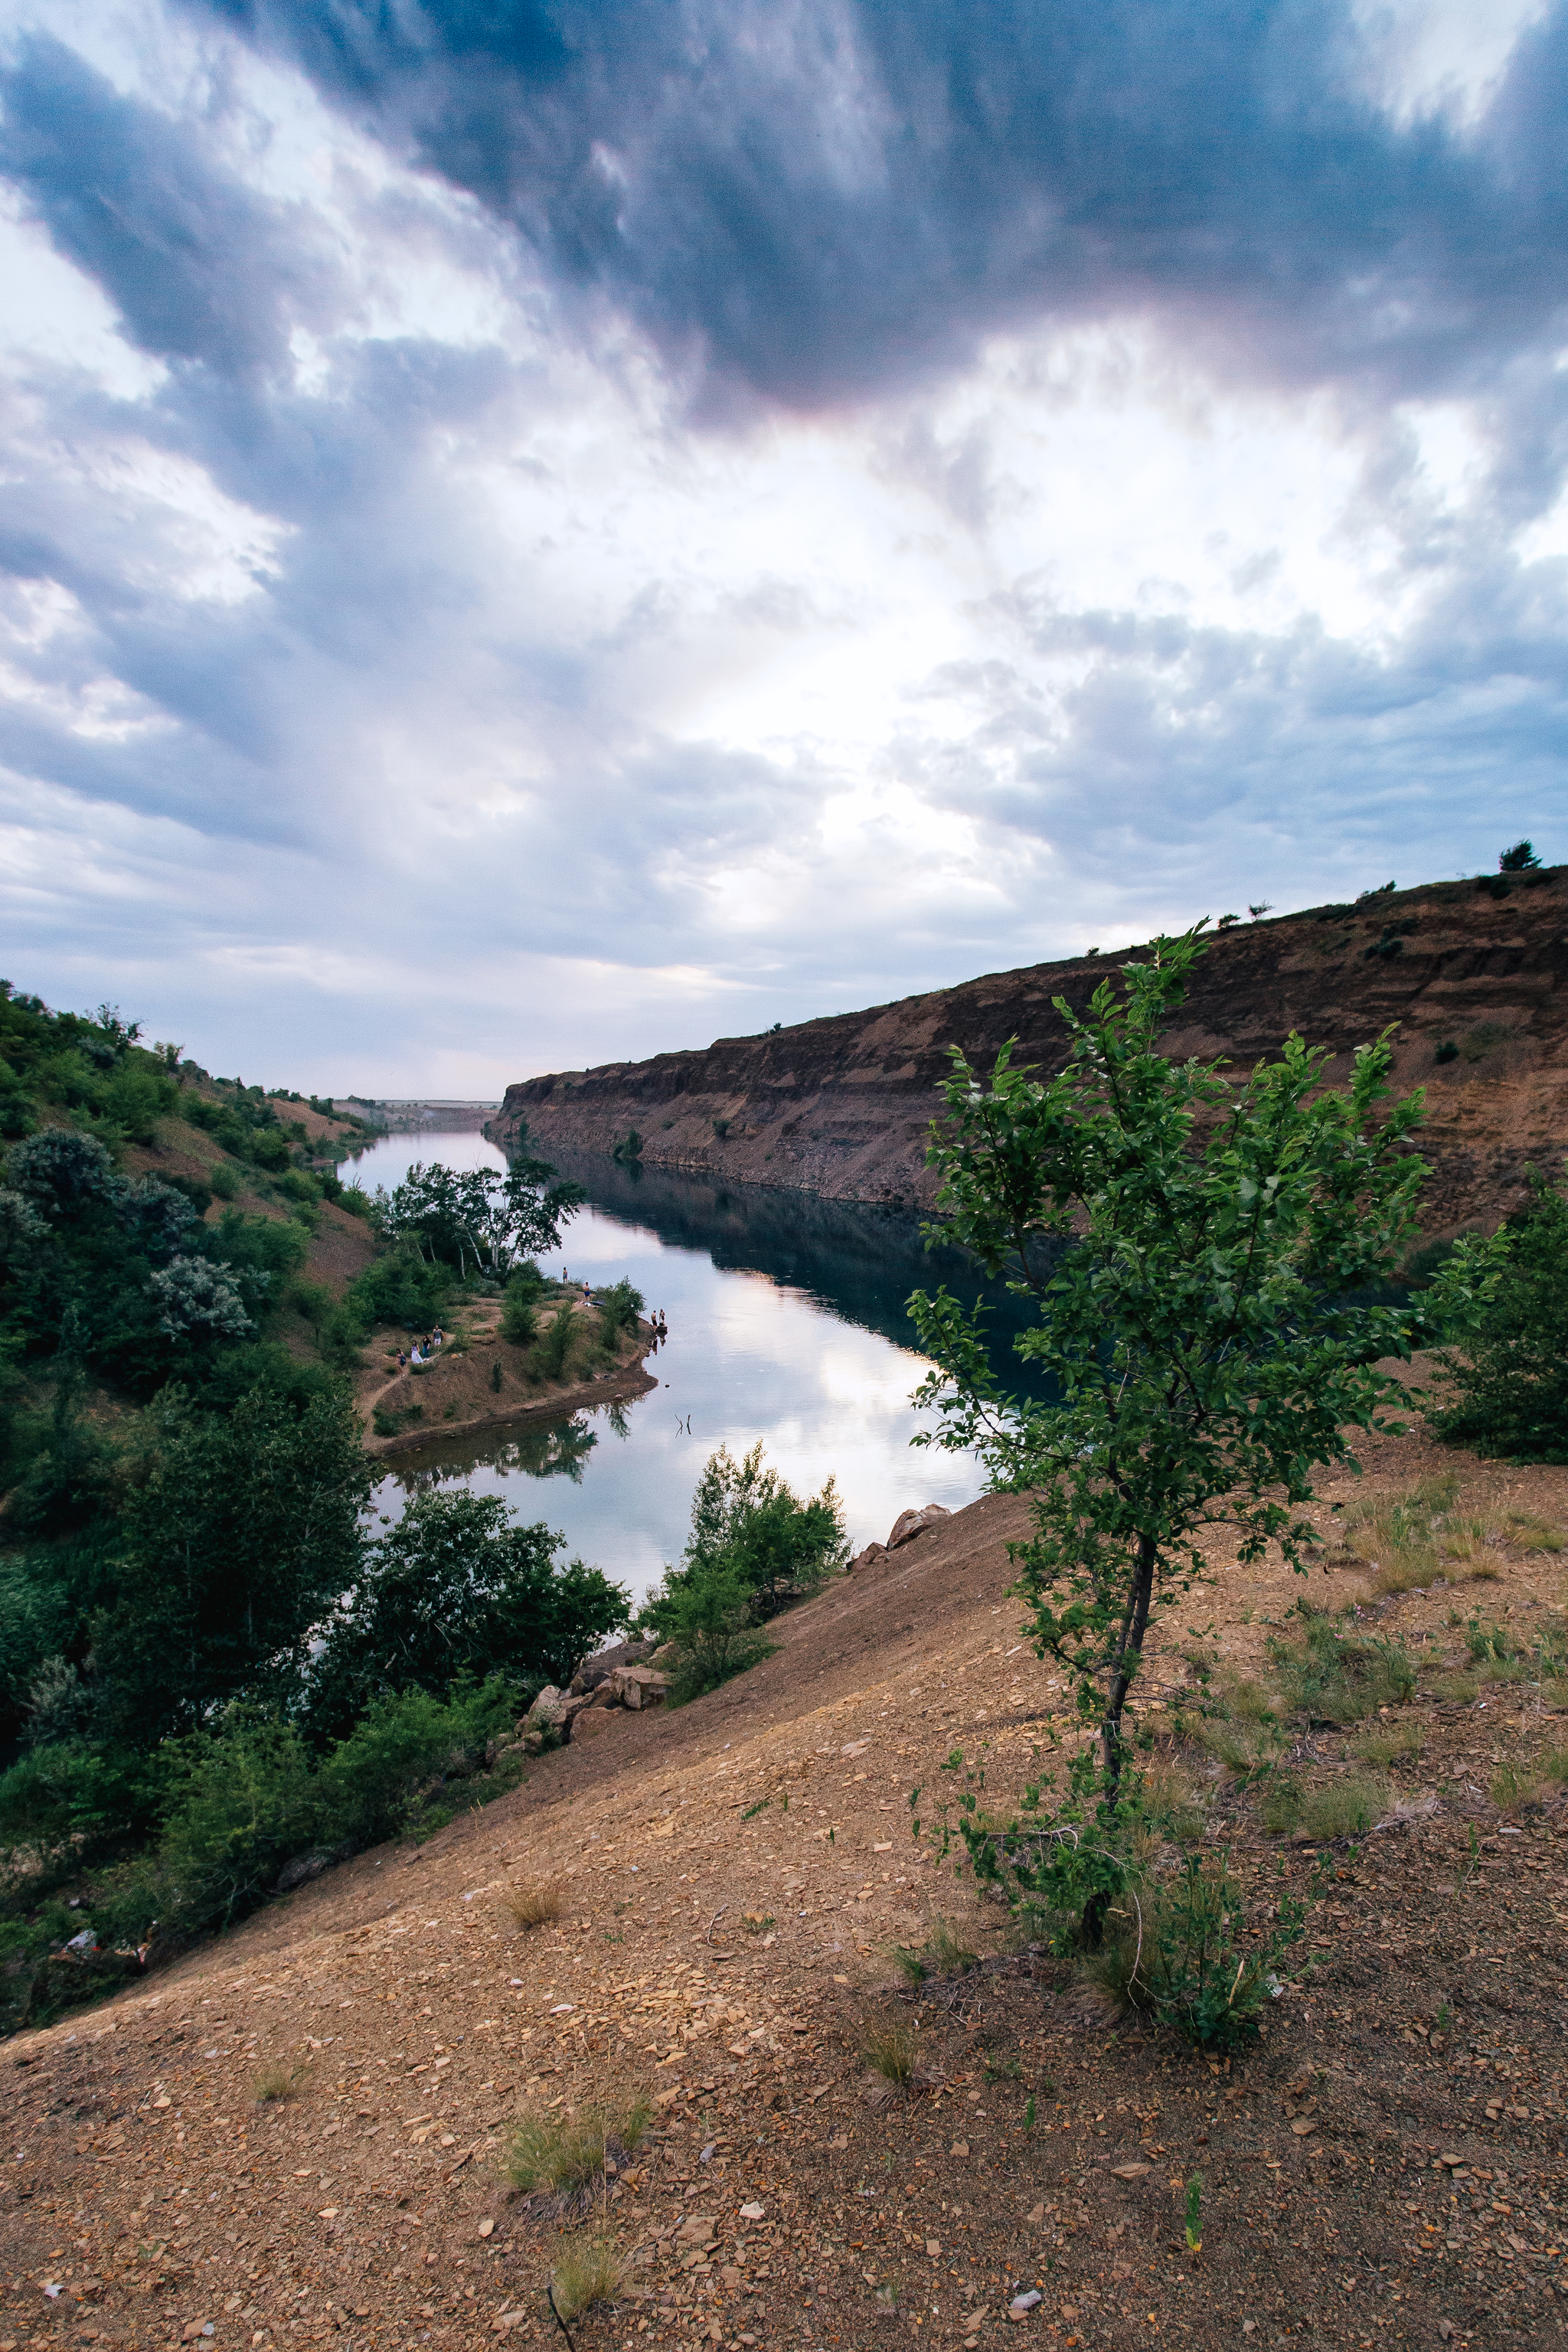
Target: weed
(1344, 1808)
(1488, 1645)
(1457, 1689)
(757, 1923)
(1444, 2019)
(889, 2051)
(588, 2270)
(562, 2153)
(760, 1807)
(946, 1950)
(496, 1376)
(276, 2083)
(533, 1906)
(1029, 2115)
(1003, 2070)
(1195, 2214)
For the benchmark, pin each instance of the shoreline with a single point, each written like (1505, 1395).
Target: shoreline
(464, 1378)
(619, 1388)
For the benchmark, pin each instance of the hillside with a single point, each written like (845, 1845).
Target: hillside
(1385, 2166)
(841, 1106)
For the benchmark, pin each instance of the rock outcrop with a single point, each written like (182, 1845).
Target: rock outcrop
(842, 1107)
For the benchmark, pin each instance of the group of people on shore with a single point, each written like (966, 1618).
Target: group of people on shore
(420, 1352)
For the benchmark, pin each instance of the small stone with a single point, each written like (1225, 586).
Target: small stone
(1304, 2126)
(487, 2228)
(1129, 2171)
(933, 2248)
(959, 2147)
(1021, 2305)
(750, 2212)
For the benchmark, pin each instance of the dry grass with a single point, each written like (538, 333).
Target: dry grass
(276, 2083)
(1531, 1533)
(1408, 1542)
(588, 2270)
(1389, 1743)
(533, 1906)
(562, 2153)
(1346, 1807)
(889, 2051)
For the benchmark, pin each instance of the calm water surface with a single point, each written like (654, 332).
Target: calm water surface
(786, 1323)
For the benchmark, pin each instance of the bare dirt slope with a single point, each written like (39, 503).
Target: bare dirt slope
(842, 1107)
(1386, 2168)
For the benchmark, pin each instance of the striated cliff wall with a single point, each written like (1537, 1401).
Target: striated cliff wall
(841, 1106)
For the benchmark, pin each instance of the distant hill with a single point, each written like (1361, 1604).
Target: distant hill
(1472, 972)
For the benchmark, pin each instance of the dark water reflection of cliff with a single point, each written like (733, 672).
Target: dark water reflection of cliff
(860, 1259)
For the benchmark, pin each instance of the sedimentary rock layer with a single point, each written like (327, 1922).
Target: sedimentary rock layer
(842, 1107)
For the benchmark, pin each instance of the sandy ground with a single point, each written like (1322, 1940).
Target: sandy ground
(1385, 2169)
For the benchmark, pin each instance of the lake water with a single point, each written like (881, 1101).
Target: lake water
(787, 1322)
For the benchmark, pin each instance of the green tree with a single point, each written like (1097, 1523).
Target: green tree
(1194, 1246)
(1510, 1385)
(455, 1589)
(746, 1521)
(240, 1531)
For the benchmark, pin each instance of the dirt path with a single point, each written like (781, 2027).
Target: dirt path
(1386, 2169)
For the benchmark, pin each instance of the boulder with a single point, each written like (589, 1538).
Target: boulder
(910, 1524)
(592, 1671)
(546, 1721)
(635, 1686)
(868, 1558)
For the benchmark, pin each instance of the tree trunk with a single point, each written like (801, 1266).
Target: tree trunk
(1130, 1650)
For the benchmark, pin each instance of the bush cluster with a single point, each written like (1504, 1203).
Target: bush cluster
(755, 1548)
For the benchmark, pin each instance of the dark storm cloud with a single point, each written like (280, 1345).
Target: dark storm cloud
(198, 269)
(821, 201)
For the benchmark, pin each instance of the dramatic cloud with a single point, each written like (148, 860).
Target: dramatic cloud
(532, 533)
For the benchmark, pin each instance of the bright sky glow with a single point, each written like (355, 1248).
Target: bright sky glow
(487, 590)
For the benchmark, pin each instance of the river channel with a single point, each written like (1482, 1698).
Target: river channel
(786, 1323)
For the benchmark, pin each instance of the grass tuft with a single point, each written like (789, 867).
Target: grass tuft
(1389, 1743)
(1345, 1808)
(276, 2083)
(588, 2270)
(562, 2153)
(533, 1905)
(889, 2051)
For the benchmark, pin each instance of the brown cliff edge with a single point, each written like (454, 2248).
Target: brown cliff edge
(840, 1106)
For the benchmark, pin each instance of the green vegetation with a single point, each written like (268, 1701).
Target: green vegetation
(1509, 1387)
(755, 1549)
(564, 2153)
(1197, 1250)
(212, 1672)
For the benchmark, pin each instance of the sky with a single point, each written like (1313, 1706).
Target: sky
(534, 532)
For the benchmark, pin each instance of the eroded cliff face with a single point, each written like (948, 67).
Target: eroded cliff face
(842, 1107)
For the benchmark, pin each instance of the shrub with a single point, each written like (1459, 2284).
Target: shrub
(1509, 1387)
(455, 1588)
(1179, 1956)
(620, 1307)
(519, 1319)
(249, 1801)
(707, 1614)
(224, 1181)
(380, 1778)
(556, 1345)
